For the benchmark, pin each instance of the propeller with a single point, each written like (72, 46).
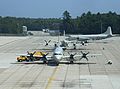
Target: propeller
(44, 58)
(64, 44)
(84, 55)
(31, 55)
(47, 42)
(72, 57)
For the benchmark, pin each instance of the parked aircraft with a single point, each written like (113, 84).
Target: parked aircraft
(58, 56)
(84, 38)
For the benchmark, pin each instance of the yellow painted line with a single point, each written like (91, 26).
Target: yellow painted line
(51, 78)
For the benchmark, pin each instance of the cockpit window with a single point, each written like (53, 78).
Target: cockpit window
(57, 54)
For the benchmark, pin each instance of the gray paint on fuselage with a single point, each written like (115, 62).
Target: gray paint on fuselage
(57, 54)
(104, 35)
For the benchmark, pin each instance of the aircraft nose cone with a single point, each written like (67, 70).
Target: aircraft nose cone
(57, 57)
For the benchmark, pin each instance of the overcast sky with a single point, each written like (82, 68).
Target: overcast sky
(55, 8)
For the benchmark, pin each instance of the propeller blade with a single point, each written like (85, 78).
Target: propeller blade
(47, 54)
(45, 41)
(49, 41)
(82, 52)
(86, 58)
(87, 53)
(68, 53)
(34, 52)
(81, 58)
(75, 54)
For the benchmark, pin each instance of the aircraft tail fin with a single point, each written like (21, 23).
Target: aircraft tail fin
(64, 33)
(109, 31)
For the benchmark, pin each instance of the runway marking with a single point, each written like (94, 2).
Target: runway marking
(51, 78)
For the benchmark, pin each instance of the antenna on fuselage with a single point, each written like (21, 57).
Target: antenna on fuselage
(59, 38)
(64, 34)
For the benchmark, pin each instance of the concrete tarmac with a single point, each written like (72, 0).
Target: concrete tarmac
(92, 74)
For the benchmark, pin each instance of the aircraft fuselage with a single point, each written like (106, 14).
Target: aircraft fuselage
(58, 54)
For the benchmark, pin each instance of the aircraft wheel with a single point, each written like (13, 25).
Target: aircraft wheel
(71, 62)
(57, 64)
(27, 60)
(44, 62)
(18, 60)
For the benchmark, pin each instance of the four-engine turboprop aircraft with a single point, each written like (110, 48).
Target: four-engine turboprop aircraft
(104, 35)
(58, 56)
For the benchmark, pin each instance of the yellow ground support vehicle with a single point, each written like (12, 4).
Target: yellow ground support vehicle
(37, 55)
(22, 58)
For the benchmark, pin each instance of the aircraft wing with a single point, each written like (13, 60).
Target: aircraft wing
(68, 56)
(22, 55)
(93, 55)
(82, 56)
(77, 37)
(49, 57)
(77, 55)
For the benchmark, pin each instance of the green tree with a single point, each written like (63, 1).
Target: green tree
(67, 23)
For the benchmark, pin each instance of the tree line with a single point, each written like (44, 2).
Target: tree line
(87, 23)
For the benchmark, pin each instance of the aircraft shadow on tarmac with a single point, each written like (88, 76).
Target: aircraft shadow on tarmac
(51, 63)
(66, 49)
